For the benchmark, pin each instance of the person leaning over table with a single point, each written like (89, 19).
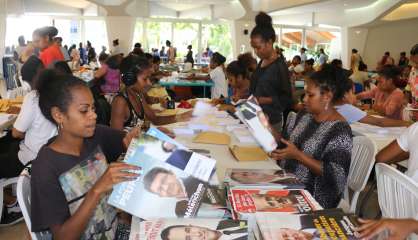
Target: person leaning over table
(130, 106)
(316, 144)
(67, 102)
(217, 75)
(388, 98)
(43, 39)
(110, 73)
(270, 82)
(352, 114)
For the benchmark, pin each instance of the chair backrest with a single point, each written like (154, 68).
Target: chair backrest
(397, 193)
(362, 161)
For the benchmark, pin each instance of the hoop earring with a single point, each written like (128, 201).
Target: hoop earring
(326, 106)
(60, 126)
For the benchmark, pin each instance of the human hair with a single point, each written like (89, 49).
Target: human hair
(156, 59)
(116, 42)
(403, 54)
(321, 50)
(103, 57)
(149, 177)
(181, 207)
(264, 28)
(414, 50)
(166, 231)
(354, 50)
(168, 43)
(246, 59)
(387, 53)
(391, 72)
(362, 66)
(48, 31)
(54, 89)
(238, 68)
(132, 67)
(58, 39)
(62, 67)
(218, 58)
(189, 47)
(138, 51)
(330, 79)
(21, 40)
(303, 49)
(336, 63)
(310, 61)
(297, 57)
(137, 45)
(30, 69)
(113, 62)
(148, 56)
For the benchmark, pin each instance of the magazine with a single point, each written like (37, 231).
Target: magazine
(161, 190)
(251, 114)
(315, 225)
(169, 151)
(159, 229)
(76, 182)
(247, 201)
(261, 178)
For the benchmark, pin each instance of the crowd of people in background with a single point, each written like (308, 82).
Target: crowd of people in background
(315, 143)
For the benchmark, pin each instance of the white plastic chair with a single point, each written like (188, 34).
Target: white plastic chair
(362, 161)
(23, 197)
(4, 183)
(397, 193)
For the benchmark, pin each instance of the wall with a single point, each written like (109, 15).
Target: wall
(121, 28)
(394, 37)
(240, 41)
(352, 38)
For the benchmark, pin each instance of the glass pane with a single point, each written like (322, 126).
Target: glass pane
(316, 40)
(96, 33)
(138, 33)
(23, 25)
(157, 34)
(185, 34)
(291, 42)
(69, 30)
(218, 38)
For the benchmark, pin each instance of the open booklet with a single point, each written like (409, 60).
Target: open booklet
(324, 224)
(251, 114)
(161, 229)
(261, 178)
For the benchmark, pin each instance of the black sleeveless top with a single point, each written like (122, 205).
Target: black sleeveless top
(134, 116)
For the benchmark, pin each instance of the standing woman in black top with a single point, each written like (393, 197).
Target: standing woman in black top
(270, 82)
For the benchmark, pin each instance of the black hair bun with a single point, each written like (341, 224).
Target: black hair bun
(218, 58)
(263, 20)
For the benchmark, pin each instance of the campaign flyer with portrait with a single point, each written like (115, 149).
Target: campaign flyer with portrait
(251, 114)
(247, 201)
(261, 178)
(324, 224)
(187, 229)
(161, 190)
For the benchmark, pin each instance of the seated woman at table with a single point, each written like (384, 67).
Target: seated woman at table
(130, 106)
(43, 38)
(217, 75)
(67, 102)
(238, 79)
(109, 75)
(403, 148)
(316, 144)
(388, 98)
(352, 114)
(30, 126)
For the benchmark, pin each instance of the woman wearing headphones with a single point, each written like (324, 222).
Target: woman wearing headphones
(130, 107)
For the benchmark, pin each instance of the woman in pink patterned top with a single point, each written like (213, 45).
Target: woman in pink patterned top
(109, 71)
(388, 98)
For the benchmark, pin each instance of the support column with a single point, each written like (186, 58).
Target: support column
(121, 28)
(199, 43)
(3, 19)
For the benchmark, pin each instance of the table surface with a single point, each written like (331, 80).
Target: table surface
(382, 136)
(222, 155)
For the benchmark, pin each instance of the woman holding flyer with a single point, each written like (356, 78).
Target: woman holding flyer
(72, 155)
(317, 143)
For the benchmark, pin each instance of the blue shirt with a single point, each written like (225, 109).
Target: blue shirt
(351, 113)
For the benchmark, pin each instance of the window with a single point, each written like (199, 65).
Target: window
(218, 38)
(291, 42)
(185, 34)
(138, 33)
(96, 33)
(69, 30)
(24, 25)
(157, 34)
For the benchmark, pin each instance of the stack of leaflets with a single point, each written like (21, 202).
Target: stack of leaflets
(323, 224)
(261, 178)
(251, 114)
(161, 229)
(245, 202)
(173, 181)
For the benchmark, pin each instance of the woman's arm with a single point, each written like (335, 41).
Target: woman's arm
(17, 134)
(265, 100)
(384, 122)
(73, 227)
(392, 153)
(118, 115)
(365, 95)
(101, 72)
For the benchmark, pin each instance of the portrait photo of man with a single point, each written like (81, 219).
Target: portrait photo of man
(266, 202)
(262, 177)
